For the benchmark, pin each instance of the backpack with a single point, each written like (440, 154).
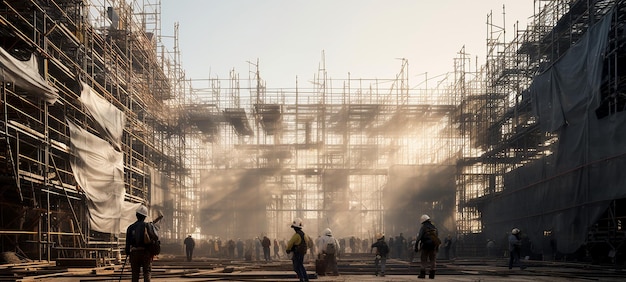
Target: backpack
(431, 235)
(302, 247)
(331, 248)
(383, 248)
(151, 239)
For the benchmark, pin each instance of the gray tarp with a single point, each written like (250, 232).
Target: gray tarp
(110, 119)
(25, 74)
(569, 190)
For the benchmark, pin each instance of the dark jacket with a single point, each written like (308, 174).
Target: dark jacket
(425, 242)
(381, 247)
(135, 235)
(189, 243)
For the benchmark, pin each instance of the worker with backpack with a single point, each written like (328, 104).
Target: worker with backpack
(330, 250)
(428, 243)
(298, 245)
(142, 244)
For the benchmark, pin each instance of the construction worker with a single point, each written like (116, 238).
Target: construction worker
(330, 249)
(189, 245)
(382, 250)
(136, 247)
(515, 249)
(298, 245)
(428, 242)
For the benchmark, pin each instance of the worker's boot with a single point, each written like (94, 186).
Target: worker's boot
(422, 274)
(431, 274)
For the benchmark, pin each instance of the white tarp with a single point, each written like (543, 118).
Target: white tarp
(25, 74)
(99, 170)
(127, 215)
(158, 191)
(109, 118)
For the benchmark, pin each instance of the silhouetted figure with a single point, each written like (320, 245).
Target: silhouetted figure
(428, 242)
(276, 249)
(266, 243)
(239, 248)
(382, 250)
(230, 246)
(189, 245)
(140, 258)
(515, 249)
(400, 246)
(257, 248)
(447, 244)
(491, 246)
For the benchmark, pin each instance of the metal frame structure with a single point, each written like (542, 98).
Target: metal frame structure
(111, 46)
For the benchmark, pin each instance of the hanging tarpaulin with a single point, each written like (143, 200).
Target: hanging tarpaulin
(567, 191)
(25, 74)
(109, 118)
(127, 215)
(99, 170)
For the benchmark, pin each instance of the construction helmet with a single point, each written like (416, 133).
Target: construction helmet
(379, 235)
(297, 223)
(515, 231)
(424, 218)
(328, 232)
(142, 210)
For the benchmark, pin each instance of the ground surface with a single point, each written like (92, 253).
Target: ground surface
(357, 267)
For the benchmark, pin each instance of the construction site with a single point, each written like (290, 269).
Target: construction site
(98, 117)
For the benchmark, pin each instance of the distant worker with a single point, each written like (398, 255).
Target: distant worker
(330, 249)
(400, 246)
(428, 242)
(447, 243)
(257, 248)
(231, 246)
(491, 245)
(189, 245)
(239, 246)
(515, 249)
(276, 249)
(298, 245)
(382, 250)
(136, 248)
(266, 243)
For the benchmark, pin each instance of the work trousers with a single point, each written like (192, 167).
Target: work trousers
(380, 261)
(298, 266)
(140, 259)
(266, 254)
(428, 259)
(514, 258)
(189, 253)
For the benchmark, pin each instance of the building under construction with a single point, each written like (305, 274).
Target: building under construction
(98, 118)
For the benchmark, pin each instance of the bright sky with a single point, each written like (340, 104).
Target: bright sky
(362, 37)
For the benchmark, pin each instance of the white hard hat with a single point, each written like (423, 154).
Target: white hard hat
(297, 223)
(379, 235)
(328, 232)
(514, 231)
(142, 210)
(424, 218)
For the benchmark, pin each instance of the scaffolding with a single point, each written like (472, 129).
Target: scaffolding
(109, 46)
(233, 158)
(322, 153)
(499, 123)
